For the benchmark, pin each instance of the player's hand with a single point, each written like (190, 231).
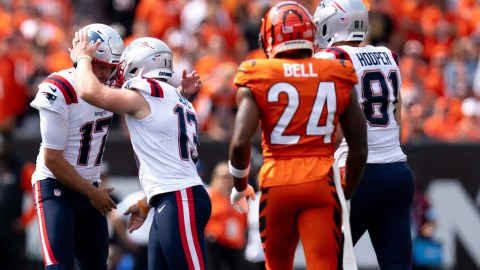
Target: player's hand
(137, 217)
(81, 44)
(190, 83)
(102, 201)
(239, 199)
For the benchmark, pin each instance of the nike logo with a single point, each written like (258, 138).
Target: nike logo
(160, 210)
(53, 89)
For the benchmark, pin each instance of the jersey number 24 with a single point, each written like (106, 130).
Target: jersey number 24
(325, 98)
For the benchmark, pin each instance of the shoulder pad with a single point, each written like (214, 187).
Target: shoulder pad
(339, 53)
(56, 81)
(246, 68)
(146, 85)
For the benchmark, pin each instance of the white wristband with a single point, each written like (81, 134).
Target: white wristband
(84, 56)
(238, 173)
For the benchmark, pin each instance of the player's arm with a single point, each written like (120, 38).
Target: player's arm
(246, 123)
(354, 129)
(54, 132)
(338, 137)
(398, 116)
(94, 92)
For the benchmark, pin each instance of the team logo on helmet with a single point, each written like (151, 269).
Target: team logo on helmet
(93, 37)
(138, 44)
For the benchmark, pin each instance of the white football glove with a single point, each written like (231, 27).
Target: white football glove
(239, 199)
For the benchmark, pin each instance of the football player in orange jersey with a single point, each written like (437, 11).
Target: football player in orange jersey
(299, 101)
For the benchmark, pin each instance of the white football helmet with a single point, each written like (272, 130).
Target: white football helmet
(110, 49)
(340, 20)
(147, 57)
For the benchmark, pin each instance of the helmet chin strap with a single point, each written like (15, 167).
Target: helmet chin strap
(332, 40)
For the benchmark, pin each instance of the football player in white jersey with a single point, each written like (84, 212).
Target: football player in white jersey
(70, 206)
(163, 131)
(381, 204)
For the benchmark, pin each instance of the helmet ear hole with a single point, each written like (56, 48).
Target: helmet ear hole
(324, 30)
(133, 71)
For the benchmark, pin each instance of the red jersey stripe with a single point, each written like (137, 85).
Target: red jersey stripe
(67, 89)
(183, 233)
(48, 257)
(155, 88)
(193, 225)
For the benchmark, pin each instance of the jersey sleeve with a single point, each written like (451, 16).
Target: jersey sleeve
(324, 55)
(344, 59)
(146, 86)
(51, 97)
(244, 73)
(345, 71)
(54, 129)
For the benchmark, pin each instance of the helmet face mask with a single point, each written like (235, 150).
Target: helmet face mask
(340, 20)
(146, 57)
(287, 26)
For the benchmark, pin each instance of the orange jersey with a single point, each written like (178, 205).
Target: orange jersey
(300, 101)
(226, 225)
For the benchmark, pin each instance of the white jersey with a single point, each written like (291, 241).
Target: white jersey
(379, 83)
(85, 127)
(165, 142)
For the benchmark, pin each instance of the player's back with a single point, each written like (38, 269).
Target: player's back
(87, 126)
(378, 93)
(165, 142)
(300, 101)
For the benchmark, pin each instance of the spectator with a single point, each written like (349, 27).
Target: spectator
(460, 68)
(13, 96)
(149, 11)
(123, 12)
(442, 124)
(15, 175)
(413, 69)
(42, 26)
(226, 231)
(427, 251)
(135, 243)
(216, 102)
(469, 126)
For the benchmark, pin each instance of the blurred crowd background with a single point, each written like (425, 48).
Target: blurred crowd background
(438, 42)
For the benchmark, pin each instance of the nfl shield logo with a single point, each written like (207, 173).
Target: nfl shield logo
(57, 192)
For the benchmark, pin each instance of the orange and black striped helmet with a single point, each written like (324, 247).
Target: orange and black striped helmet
(287, 26)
